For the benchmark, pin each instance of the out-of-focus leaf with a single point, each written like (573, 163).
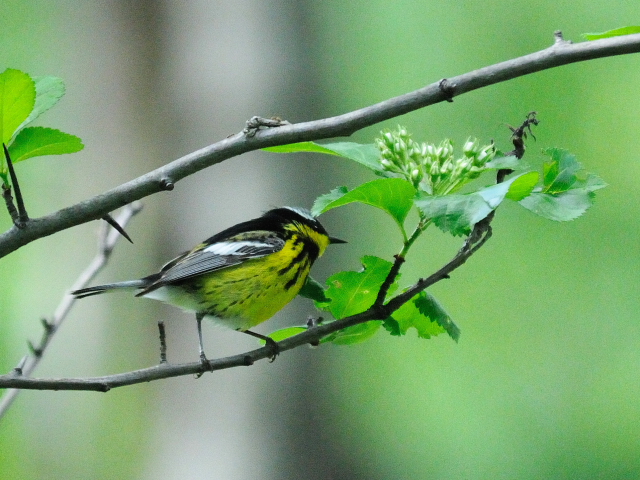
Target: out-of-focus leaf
(49, 90)
(612, 33)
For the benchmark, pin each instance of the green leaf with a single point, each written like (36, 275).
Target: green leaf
(356, 334)
(561, 207)
(455, 214)
(49, 90)
(424, 313)
(314, 290)
(17, 98)
(367, 154)
(509, 162)
(435, 312)
(458, 213)
(37, 141)
(283, 333)
(393, 195)
(323, 200)
(560, 173)
(612, 33)
(567, 190)
(354, 292)
(522, 186)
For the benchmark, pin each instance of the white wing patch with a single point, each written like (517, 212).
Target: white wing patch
(237, 248)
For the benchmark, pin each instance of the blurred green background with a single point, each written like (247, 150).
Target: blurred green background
(545, 381)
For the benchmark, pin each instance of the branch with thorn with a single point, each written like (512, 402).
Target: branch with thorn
(380, 310)
(260, 133)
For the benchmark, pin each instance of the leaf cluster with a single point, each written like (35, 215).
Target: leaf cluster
(430, 179)
(22, 100)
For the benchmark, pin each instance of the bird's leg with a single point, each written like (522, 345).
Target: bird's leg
(271, 343)
(203, 357)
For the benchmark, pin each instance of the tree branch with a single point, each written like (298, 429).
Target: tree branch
(378, 311)
(166, 370)
(164, 178)
(106, 242)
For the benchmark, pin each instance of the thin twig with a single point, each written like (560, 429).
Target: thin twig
(164, 178)
(107, 240)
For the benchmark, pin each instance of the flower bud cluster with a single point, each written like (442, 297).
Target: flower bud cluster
(428, 167)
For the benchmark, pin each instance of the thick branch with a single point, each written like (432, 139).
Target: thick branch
(561, 53)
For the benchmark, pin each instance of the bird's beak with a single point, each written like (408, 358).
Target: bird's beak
(336, 240)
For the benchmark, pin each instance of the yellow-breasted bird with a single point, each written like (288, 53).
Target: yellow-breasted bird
(241, 276)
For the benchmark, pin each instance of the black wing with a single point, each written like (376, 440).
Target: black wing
(208, 258)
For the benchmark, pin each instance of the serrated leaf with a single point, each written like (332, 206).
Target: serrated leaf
(314, 290)
(560, 207)
(392, 326)
(432, 309)
(17, 98)
(393, 195)
(49, 90)
(37, 141)
(354, 292)
(364, 154)
(323, 200)
(612, 33)
(457, 214)
(567, 190)
(408, 316)
(356, 334)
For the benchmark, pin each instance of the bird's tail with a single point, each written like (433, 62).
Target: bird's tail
(98, 289)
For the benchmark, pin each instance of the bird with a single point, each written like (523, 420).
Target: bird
(239, 277)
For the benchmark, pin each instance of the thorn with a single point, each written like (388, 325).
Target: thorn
(23, 217)
(111, 221)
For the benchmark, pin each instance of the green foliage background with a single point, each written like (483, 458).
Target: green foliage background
(544, 380)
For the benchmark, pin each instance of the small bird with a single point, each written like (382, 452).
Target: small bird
(241, 276)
